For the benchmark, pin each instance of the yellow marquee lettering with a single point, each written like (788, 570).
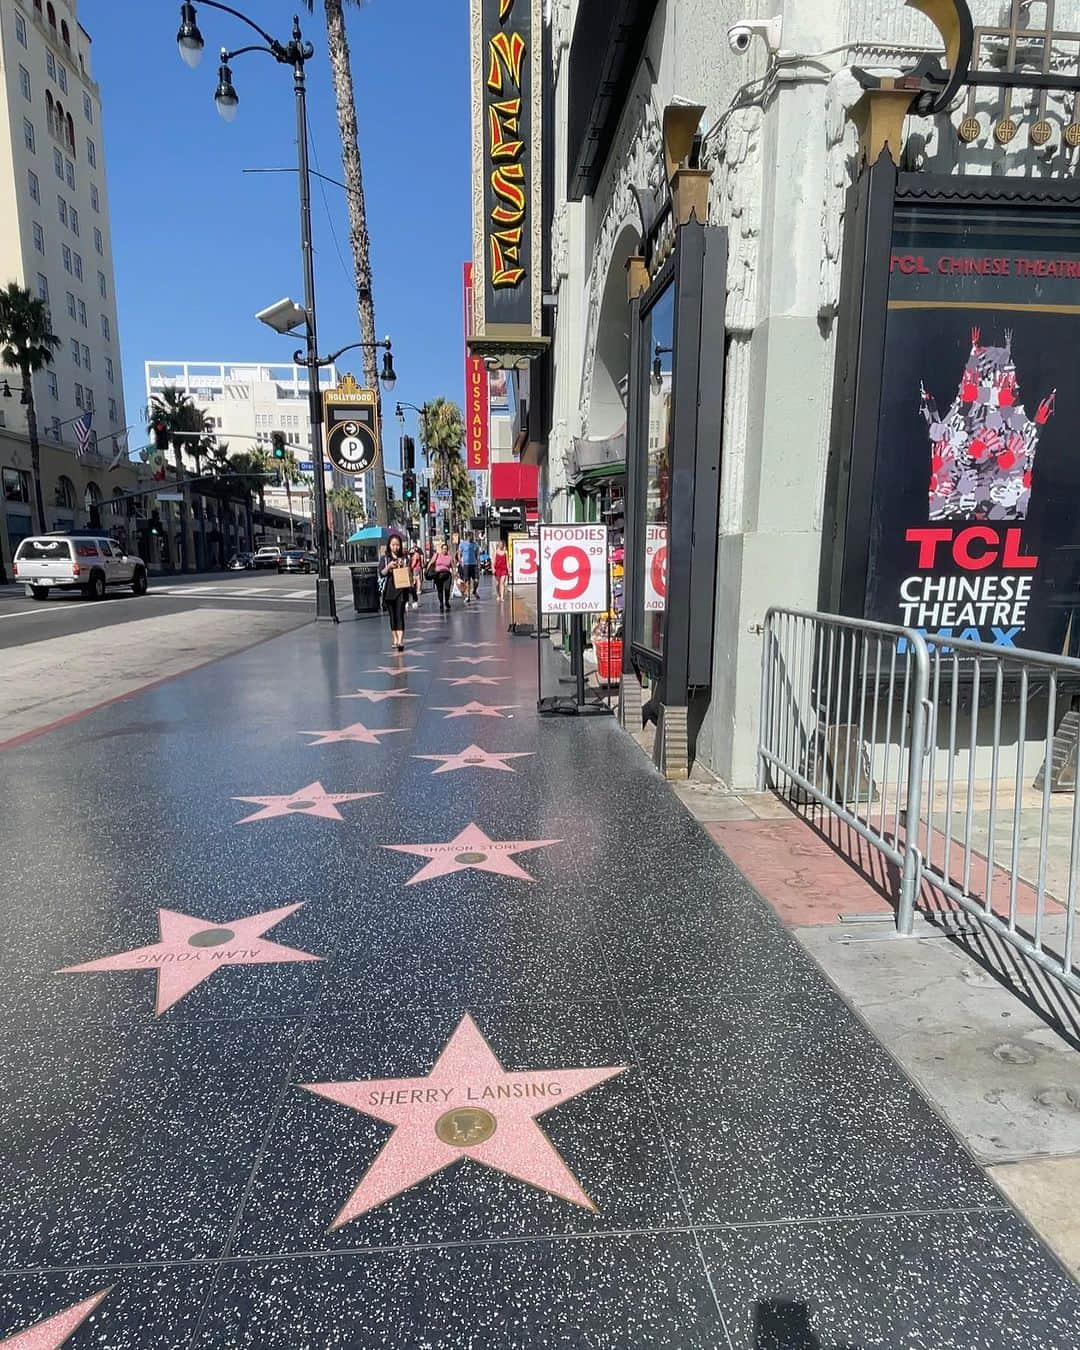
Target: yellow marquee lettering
(507, 51)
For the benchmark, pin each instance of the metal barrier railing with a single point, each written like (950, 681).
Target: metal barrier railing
(923, 746)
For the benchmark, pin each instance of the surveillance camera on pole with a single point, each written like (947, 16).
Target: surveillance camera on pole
(283, 316)
(741, 35)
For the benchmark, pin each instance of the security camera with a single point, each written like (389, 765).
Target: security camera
(741, 35)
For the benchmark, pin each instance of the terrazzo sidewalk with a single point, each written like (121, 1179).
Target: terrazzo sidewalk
(350, 1007)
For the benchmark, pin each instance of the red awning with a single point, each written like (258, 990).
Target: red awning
(514, 482)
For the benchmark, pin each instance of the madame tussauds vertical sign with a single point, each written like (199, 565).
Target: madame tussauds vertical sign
(975, 527)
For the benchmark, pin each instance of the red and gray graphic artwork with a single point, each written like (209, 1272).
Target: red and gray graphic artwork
(983, 451)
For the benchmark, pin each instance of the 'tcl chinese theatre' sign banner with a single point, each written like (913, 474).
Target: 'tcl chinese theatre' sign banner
(507, 51)
(974, 526)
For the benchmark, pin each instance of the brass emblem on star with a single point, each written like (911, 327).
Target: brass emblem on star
(465, 1126)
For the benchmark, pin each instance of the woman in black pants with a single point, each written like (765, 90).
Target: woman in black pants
(395, 598)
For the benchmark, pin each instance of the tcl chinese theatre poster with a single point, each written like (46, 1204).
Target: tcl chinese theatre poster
(975, 520)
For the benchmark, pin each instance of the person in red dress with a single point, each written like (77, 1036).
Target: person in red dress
(501, 567)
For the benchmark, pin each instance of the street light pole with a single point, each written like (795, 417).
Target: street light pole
(296, 53)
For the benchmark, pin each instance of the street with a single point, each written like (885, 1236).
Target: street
(67, 654)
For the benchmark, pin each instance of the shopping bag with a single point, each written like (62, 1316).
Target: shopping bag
(402, 578)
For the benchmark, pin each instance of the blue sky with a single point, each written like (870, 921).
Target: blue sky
(199, 245)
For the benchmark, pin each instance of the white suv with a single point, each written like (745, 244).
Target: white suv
(68, 562)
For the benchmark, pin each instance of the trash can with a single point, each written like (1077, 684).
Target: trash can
(365, 587)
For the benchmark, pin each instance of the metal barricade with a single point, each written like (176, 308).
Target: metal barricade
(924, 746)
(843, 717)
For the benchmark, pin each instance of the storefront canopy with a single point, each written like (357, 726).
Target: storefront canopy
(370, 534)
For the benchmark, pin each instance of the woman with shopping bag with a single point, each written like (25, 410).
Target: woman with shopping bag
(396, 576)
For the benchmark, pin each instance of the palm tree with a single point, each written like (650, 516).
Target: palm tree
(289, 470)
(241, 471)
(27, 343)
(337, 44)
(185, 425)
(444, 436)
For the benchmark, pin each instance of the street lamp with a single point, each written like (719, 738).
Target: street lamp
(294, 53)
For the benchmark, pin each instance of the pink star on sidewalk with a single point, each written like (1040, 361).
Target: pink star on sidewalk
(471, 848)
(191, 949)
(469, 1106)
(396, 670)
(357, 733)
(474, 660)
(474, 709)
(379, 695)
(475, 646)
(54, 1331)
(472, 757)
(313, 800)
(456, 680)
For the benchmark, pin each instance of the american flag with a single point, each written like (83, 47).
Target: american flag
(82, 433)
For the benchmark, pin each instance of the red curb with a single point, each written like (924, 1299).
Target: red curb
(15, 741)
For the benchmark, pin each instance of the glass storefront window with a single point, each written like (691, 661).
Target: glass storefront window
(656, 495)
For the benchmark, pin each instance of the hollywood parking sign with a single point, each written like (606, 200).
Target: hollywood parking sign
(573, 569)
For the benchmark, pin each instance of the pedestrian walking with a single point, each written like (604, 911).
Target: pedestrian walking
(441, 566)
(468, 561)
(397, 587)
(501, 567)
(416, 566)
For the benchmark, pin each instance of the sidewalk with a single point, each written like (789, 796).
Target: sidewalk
(508, 1052)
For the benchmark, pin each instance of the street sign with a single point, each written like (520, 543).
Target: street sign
(656, 546)
(307, 466)
(444, 497)
(573, 569)
(524, 559)
(352, 426)
(169, 496)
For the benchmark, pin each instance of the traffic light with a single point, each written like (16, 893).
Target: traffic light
(408, 453)
(389, 494)
(161, 435)
(277, 443)
(155, 523)
(408, 486)
(425, 499)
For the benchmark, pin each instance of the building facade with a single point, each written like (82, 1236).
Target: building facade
(727, 213)
(247, 402)
(54, 224)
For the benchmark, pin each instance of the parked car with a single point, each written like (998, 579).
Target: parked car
(75, 562)
(267, 556)
(241, 562)
(294, 560)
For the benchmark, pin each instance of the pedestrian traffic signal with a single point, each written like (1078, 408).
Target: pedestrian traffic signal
(277, 442)
(155, 523)
(425, 499)
(408, 486)
(161, 435)
(408, 453)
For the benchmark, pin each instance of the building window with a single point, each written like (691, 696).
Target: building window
(94, 201)
(90, 400)
(28, 134)
(65, 493)
(50, 65)
(82, 312)
(24, 82)
(69, 129)
(76, 355)
(78, 266)
(88, 107)
(91, 153)
(32, 182)
(57, 432)
(62, 77)
(43, 287)
(109, 372)
(16, 485)
(105, 331)
(39, 237)
(78, 396)
(71, 304)
(103, 290)
(99, 243)
(65, 33)
(20, 30)
(67, 257)
(69, 173)
(51, 14)
(86, 357)
(61, 209)
(74, 221)
(52, 383)
(58, 164)
(112, 410)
